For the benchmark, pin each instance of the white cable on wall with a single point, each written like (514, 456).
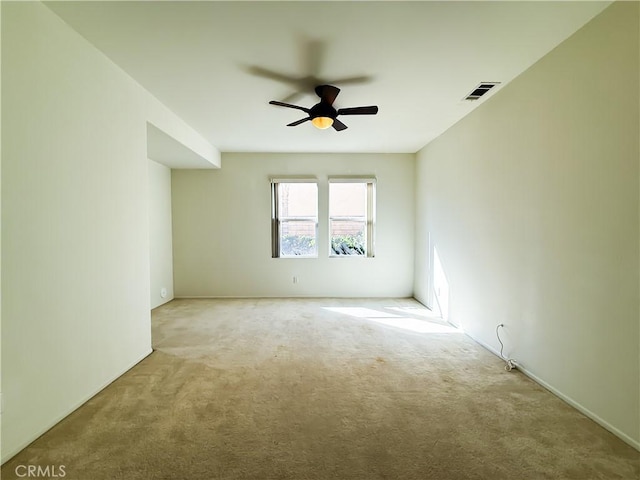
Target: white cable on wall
(510, 362)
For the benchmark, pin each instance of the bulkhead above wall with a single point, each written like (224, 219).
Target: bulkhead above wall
(165, 149)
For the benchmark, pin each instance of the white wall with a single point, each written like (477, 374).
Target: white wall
(221, 229)
(1, 400)
(75, 220)
(160, 244)
(532, 204)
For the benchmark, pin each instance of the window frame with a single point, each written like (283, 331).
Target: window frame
(277, 220)
(370, 214)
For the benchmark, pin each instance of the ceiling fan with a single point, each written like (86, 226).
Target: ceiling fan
(323, 115)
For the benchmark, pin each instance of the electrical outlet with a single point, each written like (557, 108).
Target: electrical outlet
(163, 292)
(295, 279)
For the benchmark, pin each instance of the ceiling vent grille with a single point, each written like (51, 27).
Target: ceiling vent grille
(480, 90)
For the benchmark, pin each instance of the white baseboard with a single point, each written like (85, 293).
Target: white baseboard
(603, 423)
(8, 456)
(303, 296)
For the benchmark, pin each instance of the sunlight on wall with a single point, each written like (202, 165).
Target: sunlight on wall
(440, 286)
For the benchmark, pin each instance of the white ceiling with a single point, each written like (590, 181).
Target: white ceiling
(421, 58)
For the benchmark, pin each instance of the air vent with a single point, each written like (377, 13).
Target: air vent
(480, 90)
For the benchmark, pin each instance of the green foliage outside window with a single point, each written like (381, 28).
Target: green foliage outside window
(294, 245)
(291, 245)
(348, 244)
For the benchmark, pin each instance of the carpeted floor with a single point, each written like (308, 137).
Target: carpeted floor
(323, 389)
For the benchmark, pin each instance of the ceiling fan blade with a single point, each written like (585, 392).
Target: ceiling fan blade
(338, 125)
(292, 97)
(314, 54)
(302, 84)
(288, 105)
(293, 124)
(371, 110)
(270, 74)
(357, 79)
(327, 93)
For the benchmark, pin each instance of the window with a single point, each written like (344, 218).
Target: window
(352, 216)
(294, 218)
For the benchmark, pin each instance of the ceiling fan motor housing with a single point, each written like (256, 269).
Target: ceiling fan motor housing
(323, 109)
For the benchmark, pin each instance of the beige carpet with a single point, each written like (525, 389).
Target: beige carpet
(323, 389)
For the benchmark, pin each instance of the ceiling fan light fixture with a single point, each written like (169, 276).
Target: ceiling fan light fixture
(322, 122)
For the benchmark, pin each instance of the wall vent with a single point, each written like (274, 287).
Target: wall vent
(480, 90)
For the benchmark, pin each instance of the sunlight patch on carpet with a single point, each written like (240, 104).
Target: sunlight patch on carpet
(419, 325)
